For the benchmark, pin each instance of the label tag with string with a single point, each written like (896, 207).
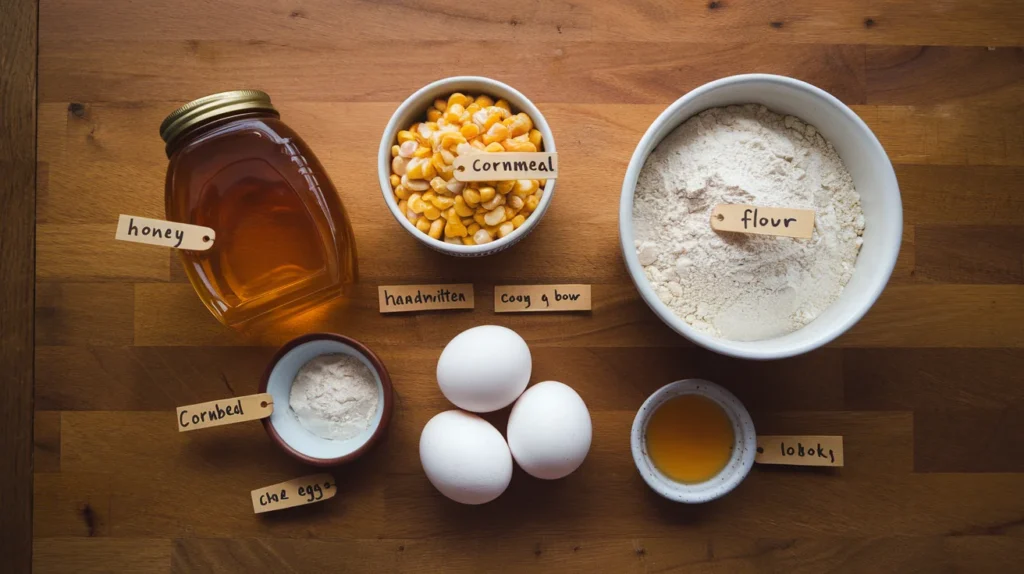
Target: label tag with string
(294, 492)
(225, 412)
(800, 450)
(763, 220)
(164, 233)
(504, 166)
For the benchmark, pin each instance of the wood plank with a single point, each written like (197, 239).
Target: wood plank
(589, 72)
(917, 75)
(46, 441)
(980, 254)
(84, 314)
(932, 379)
(96, 555)
(18, 47)
(955, 22)
(88, 252)
(961, 195)
(969, 440)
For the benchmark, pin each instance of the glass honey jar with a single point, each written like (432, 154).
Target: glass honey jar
(283, 239)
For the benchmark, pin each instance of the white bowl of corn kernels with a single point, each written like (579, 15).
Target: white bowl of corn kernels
(448, 118)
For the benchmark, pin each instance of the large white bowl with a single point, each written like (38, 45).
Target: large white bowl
(414, 109)
(872, 175)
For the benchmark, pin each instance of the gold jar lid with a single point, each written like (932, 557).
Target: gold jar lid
(209, 108)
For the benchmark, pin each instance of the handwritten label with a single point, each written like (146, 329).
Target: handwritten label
(404, 298)
(506, 165)
(529, 298)
(294, 492)
(164, 233)
(225, 412)
(800, 450)
(763, 220)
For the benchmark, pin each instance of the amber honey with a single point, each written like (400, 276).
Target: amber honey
(690, 438)
(283, 240)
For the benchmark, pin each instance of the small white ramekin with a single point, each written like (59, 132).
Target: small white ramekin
(414, 109)
(872, 175)
(744, 447)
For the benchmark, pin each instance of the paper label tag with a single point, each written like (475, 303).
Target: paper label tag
(763, 220)
(529, 298)
(800, 450)
(164, 233)
(294, 492)
(225, 412)
(502, 166)
(403, 298)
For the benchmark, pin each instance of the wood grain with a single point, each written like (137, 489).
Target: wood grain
(925, 389)
(18, 44)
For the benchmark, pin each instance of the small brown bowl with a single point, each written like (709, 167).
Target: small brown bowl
(283, 426)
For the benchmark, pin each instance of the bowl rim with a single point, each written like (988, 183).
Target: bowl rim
(748, 349)
(418, 99)
(743, 428)
(385, 381)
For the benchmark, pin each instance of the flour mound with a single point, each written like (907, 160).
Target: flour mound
(334, 396)
(733, 285)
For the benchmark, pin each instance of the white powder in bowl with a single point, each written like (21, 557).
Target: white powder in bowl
(734, 285)
(335, 396)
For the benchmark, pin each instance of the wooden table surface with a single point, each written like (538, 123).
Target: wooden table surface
(927, 389)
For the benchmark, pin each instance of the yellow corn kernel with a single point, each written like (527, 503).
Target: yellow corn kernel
(467, 221)
(438, 185)
(438, 161)
(432, 212)
(486, 193)
(461, 208)
(436, 227)
(467, 240)
(541, 183)
(484, 101)
(475, 142)
(454, 228)
(454, 112)
(422, 224)
(470, 130)
(458, 98)
(486, 118)
(406, 136)
(504, 187)
(401, 193)
(412, 217)
(473, 228)
(494, 202)
(479, 219)
(429, 171)
(450, 214)
(403, 206)
(505, 228)
(428, 195)
(395, 181)
(531, 203)
(496, 133)
(473, 108)
(413, 169)
(494, 147)
(521, 124)
(535, 138)
(422, 152)
(503, 105)
(518, 220)
(510, 145)
(472, 196)
(525, 187)
(515, 202)
(440, 104)
(509, 213)
(442, 202)
(416, 203)
(394, 150)
(495, 216)
(452, 139)
(434, 115)
(446, 173)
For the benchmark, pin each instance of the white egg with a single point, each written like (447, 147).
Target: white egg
(465, 457)
(549, 430)
(484, 369)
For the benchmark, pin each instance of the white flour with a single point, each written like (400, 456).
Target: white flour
(334, 396)
(733, 285)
